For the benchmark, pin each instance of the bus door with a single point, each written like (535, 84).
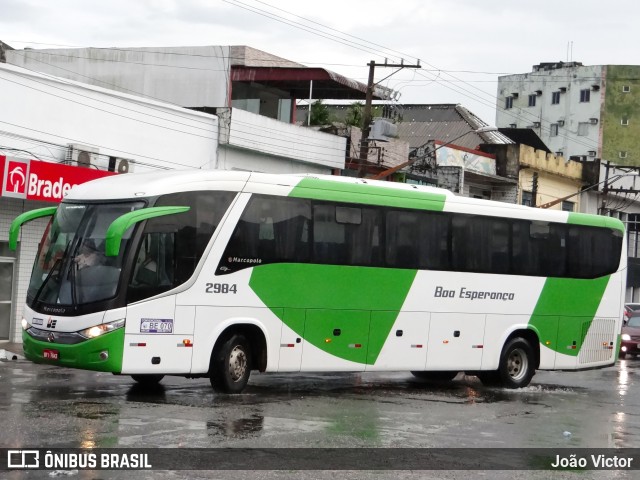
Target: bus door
(335, 340)
(456, 341)
(159, 337)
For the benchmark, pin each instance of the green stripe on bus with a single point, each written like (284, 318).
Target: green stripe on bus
(318, 189)
(330, 305)
(565, 310)
(595, 221)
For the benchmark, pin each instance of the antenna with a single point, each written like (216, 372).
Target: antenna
(571, 52)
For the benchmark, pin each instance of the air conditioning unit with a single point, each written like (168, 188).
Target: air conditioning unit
(383, 130)
(591, 153)
(561, 123)
(81, 155)
(536, 124)
(593, 121)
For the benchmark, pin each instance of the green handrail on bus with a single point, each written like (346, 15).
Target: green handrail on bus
(14, 230)
(120, 225)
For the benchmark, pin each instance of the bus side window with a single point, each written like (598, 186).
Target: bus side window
(402, 239)
(271, 229)
(433, 235)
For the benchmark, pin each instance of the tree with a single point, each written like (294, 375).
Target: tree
(354, 115)
(319, 113)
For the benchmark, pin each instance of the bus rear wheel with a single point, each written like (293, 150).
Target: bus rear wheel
(517, 364)
(231, 365)
(147, 380)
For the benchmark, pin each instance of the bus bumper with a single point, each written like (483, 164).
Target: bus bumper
(103, 353)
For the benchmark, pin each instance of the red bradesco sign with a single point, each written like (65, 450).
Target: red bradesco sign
(45, 181)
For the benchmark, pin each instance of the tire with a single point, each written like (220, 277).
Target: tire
(622, 355)
(517, 365)
(438, 376)
(147, 380)
(231, 365)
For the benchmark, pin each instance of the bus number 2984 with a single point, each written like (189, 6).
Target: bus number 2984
(221, 288)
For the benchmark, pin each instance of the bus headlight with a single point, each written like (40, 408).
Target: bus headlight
(25, 324)
(93, 332)
(626, 337)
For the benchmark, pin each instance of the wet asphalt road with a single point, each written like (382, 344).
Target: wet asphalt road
(50, 407)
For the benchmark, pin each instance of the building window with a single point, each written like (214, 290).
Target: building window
(583, 129)
(527, 197)
(568, 206)
(585, 95)
(555, 98)
(513, 125)
(626, 88)
(554, 130)
(508, 102)
(624, 121)
(532, 100)
(622, 154)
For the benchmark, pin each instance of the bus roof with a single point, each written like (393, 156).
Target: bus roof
(131, 186)
(323, 187)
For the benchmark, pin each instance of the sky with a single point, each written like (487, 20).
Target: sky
(463, 46)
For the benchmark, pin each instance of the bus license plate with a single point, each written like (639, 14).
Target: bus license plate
(51, 354)
(156, 325)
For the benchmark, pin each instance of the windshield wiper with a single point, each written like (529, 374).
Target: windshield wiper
(46, 280)
(72, 280)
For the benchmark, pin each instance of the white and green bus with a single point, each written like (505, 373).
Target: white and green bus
(214, 274)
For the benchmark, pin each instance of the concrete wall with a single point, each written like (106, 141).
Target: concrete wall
(620, 142)
(185, 76)
(269, 137)
(31, 234)
(43, 115)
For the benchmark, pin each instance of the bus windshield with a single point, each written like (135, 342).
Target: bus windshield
(71, 267)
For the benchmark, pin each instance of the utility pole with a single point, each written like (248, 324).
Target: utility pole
(534, 190)
(366, 115)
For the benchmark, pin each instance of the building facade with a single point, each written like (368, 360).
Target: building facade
(586, 112)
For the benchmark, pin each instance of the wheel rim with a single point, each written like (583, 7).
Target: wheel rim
(517, 364)
(237, 363)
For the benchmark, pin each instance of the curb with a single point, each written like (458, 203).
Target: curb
(7, 355)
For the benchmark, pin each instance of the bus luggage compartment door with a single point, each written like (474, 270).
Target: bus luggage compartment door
(159, 337)
(456, 341)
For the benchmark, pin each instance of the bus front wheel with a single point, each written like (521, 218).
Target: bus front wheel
(231, 365)
(517, 364)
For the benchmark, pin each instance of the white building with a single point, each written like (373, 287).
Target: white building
(252, 92)
(577, 110)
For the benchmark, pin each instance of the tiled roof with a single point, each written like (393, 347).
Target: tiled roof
(445, 123)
